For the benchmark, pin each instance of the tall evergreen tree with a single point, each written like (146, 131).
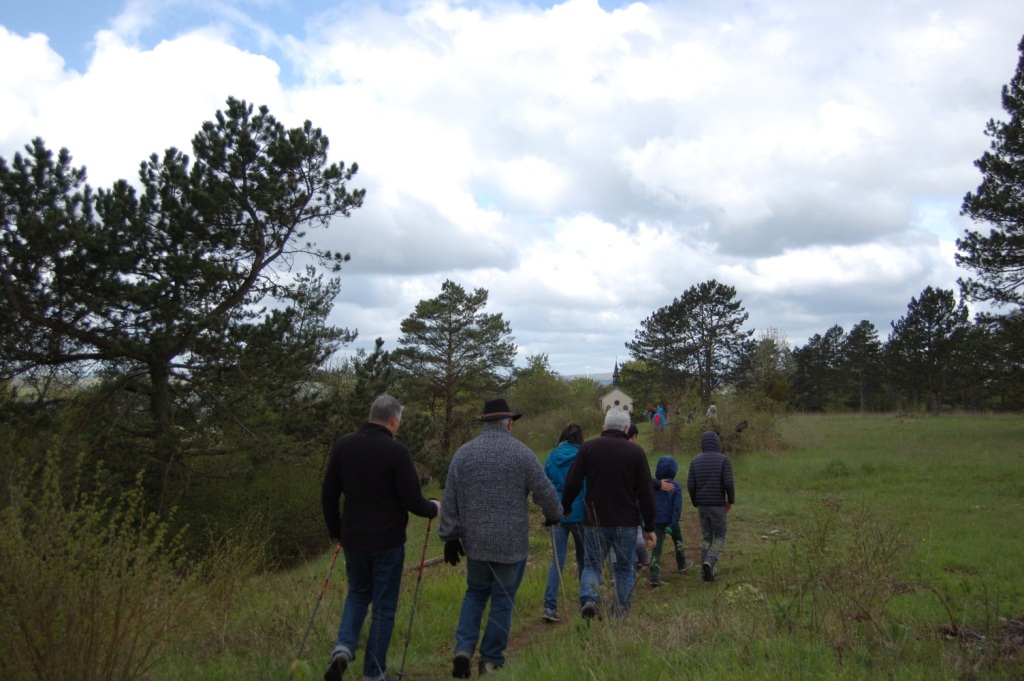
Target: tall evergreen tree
(862, 354)
(998, 258)
(174, 281)
(818, 371)
(699, 335)
(1005, 357)
(768, 366)
(452, 355)
(925, 343)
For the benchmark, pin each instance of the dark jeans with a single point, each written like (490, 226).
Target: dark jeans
(560, 534)
(498, 583)
(677, 543)
(374, 577)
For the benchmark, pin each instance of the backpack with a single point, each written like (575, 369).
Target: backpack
(657, 419)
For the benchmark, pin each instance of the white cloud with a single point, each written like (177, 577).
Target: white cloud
(585, 166)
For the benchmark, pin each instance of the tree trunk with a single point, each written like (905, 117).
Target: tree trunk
(164, 437)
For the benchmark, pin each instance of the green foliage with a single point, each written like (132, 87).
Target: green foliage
(998, 258)
(699, 335)
(540, 433)
(1002, 352)
(746, 421)
(452, 356)
(229, 495)
(925, 342)
(640, 381)
(88, 582)
(835, 575)
(165, 290)
(373, 374)
(537, 389)
(809, 585)
(837, 468)
(862, 353)
(768, 365)
(818, 381)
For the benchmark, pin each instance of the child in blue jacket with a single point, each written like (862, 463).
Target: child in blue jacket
(667, 507)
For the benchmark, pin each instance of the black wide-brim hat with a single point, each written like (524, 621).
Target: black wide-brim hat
(495, 410)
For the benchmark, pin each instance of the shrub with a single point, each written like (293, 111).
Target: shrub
(88, 582)
(839, 573)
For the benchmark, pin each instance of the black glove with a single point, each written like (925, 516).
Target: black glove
(549, 523)
(452, 550)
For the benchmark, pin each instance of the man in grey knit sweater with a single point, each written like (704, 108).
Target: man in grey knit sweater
(485, 516)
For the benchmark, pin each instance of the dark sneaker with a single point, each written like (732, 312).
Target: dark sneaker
(460, 666)
(339, 663)
(488, 668)
(686, 566)
(551, 616)
(588, 610)
(707, 572)
(655, 584)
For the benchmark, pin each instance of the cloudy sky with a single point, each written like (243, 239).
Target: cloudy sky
(584, 161)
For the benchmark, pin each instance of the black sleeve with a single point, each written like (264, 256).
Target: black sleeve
(330, 496)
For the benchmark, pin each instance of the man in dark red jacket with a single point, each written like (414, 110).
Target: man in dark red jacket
(619, 498)
(375, 474)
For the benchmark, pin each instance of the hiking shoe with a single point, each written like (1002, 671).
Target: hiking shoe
(551, 616)
(707, 572)
(686, 566)
(655, 584)
(460, 666)
(640, 567)
(339, 663)
(488, 668)
(588, 610)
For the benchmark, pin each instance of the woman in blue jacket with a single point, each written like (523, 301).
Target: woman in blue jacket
(556, 467)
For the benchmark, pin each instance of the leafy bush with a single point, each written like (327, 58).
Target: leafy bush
(839, 573)
(88, 582)
(540, 433)
(229, 497)
(745, 421)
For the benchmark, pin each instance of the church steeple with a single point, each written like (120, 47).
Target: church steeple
(615, 374)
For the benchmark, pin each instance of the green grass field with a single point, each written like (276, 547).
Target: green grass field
(873, 547)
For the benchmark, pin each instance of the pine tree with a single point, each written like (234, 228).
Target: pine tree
(998, 259)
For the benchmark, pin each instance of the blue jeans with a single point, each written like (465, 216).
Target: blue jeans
(561, 534)
(497, 582)
(598, 541)
(713, 526)
(373, 577)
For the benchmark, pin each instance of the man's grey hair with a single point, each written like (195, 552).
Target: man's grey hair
(384, 408)
(616, 419)
(498, 423)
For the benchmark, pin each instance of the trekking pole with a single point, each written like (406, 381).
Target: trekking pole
(415, 597)
(554, 553)
(319, 598)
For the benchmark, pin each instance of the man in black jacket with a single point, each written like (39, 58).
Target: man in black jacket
(375, 474)
(619, 498)
(713, 492)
